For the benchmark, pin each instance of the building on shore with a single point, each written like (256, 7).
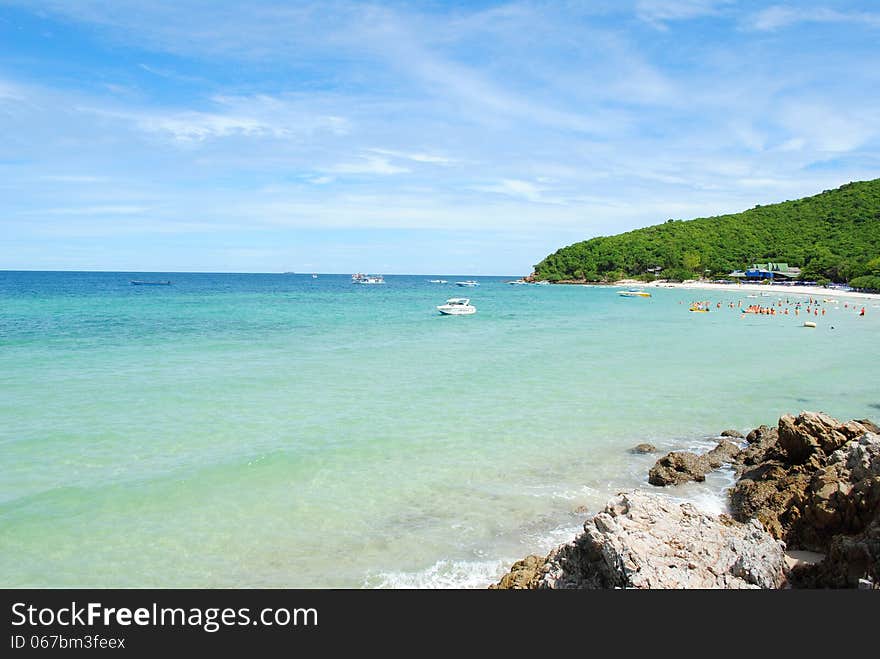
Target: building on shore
(767, 271)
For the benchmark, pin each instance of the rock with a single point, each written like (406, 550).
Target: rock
(683, 466)
(844, 496)
(811, 433)
(850, 561)
(731, 433)
(645, 540)
(643, 448)
(770, 494)
(524, 574)
(678, 467)
(869, 425)
(760, 433)
(808, 504)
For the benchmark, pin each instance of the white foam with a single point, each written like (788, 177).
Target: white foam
(443, 574)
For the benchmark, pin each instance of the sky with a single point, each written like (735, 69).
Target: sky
(458, 137)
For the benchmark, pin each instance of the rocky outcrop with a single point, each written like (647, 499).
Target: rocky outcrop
(643, 448)
(852, 561)
(523, 575)
(798, 484)
(683, 466)
(811, 483)
(732, 433)
(812, 436)
(643, 540)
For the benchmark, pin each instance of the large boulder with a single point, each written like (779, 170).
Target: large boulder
(844, 496)
(683, 466)
(643, 540)
(814, 434)
(771, 494)
(807, 503)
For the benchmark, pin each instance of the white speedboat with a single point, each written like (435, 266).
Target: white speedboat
(437, 281)
(467, 282)
(634, 293)
(367, 279)
(457, 306)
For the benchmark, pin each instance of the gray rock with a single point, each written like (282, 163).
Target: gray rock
(643, 448)
(643, 540)
(732, 433)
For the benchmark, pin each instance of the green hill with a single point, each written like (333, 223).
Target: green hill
(832, 236)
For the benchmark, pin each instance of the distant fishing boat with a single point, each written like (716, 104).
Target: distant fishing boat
(314, 276)
(437, 281)
(140, 282)
(634, 293)
(468, 282)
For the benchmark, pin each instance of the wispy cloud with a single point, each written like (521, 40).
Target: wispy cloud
(659, 12)
(416, 157)
(783, 16)
(520, 189)
(368, 165)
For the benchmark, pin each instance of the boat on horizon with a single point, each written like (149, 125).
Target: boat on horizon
(359, 278)
(438, 281)
(141, 282)
(468, 282)
(457, 306)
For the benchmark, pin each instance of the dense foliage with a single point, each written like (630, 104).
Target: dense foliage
(833, 236)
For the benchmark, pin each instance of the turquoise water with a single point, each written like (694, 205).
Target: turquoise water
(279, 430)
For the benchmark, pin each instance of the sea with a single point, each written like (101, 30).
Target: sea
(280, 430)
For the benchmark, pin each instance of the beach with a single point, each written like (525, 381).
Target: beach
(819, 292)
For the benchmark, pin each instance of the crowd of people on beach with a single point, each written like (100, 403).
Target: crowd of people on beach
(781, 307)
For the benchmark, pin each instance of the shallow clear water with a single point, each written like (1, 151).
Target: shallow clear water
(279, 430)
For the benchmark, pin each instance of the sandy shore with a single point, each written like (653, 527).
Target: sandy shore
(775, 289)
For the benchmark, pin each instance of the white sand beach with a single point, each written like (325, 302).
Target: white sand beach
(806, 291)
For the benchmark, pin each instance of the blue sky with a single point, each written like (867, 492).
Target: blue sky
(412, 137)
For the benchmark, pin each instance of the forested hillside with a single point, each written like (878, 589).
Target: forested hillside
(832, 236)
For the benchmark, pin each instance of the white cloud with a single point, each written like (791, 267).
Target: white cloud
(368, 165)
(518, 188)
(416, 157)
(782, 16)
(658, 12)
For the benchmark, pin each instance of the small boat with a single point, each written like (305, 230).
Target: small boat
(367, 279)
(140, 282)
(543, 282)
(634, 293)
(699, 308)
(457, 306)
(437, 281)
(809, 323)
(314, 276)
(518, 282)
(468, 282)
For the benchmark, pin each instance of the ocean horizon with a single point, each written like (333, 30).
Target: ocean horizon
(276, 430)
